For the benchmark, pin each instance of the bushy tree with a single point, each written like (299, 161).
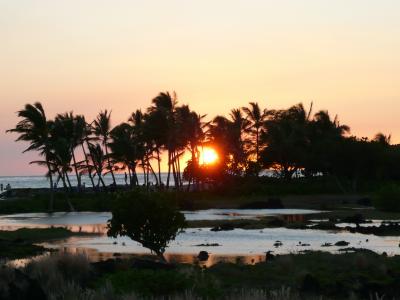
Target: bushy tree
(149, 219)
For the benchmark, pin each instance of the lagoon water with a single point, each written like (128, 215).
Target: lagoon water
(250, 245)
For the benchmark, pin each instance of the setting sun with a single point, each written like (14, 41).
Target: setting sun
(208, 156)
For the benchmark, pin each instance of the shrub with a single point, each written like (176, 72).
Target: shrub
(150, 219)
(150, 282)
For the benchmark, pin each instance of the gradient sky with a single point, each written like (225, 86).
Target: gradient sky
(217, 54)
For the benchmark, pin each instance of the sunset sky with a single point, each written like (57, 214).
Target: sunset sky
(216, 54)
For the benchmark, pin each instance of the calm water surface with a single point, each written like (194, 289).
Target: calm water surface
(247, 246)
(43, 182)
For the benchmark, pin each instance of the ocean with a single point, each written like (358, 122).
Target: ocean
(43, 182)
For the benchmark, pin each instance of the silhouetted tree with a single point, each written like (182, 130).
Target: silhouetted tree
(286, 140)
(152, 221)
(34, 129)
(256, 117)
(102, 128)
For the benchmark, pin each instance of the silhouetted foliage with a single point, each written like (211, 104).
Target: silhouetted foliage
(286, 143)
(153, 221)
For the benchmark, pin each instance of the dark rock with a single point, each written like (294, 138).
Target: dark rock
(385, 229)
(357, 219)
(208, 245)
(326, 245)
(203, 256)
(223, 227)
(342, 243)
(269, 256)
(278, 244)
(325, 226)
(355, 250)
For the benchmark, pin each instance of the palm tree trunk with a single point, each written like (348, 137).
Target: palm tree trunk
(78, 178)
(130, 177)
(169, 168)
(174, 169)
(109, 162)
(194, 165)
(63, 180)
(257, 150)
(154, 173)
(257, 141)
(51, 202)
(102, 181)
(179, 171)
(71, 207)
(144, 173)
(134, 175)
(159, 166)
(69, 182)
(147, 168)
(87, 166)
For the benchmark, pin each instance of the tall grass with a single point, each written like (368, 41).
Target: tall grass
(71, 277)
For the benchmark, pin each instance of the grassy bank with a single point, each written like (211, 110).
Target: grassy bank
(318, 194)
(316, 275)
(229, 194)
(21, 243)
(38, 202)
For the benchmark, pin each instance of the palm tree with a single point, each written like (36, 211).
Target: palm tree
(70, 128)
(142, 150)
(154, 133)
(102, 128)
(162, 114)
(196, 132)
(324, 134)
(83, 131)
(382, 139)
(227, 135)
(97, 160)
(124, 149)
(237, 126)
(256, 117)
(286, 140)
(34, 128)
(59, 159)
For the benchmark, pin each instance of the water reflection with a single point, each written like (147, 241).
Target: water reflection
(95, 222)
(178, 258)
(248, 246)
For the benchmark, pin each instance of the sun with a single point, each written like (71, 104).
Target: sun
(208, 156)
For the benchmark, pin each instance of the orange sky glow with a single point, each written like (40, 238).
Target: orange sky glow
(343, 55)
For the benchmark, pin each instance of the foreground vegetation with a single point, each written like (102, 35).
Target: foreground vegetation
(316, 275)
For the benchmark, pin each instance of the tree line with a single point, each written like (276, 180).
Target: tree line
(290, 142)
